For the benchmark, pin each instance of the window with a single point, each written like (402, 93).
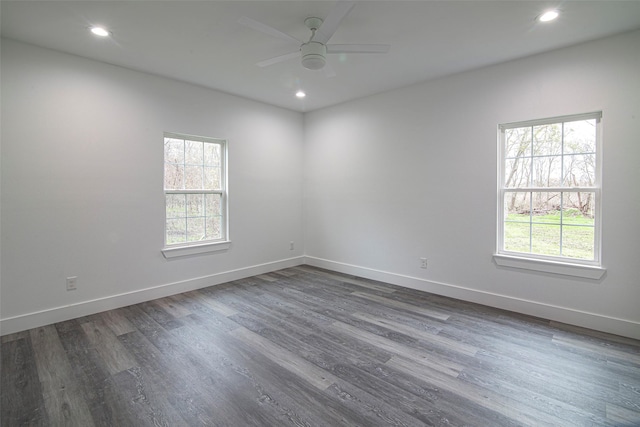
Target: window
(550, 190)
(195, 192)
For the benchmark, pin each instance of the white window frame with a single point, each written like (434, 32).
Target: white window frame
(591, 269)
(206, 246)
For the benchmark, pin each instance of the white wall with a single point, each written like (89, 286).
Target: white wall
(82, 168)
(412, 173)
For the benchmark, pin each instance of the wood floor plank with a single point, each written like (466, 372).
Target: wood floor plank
(266, 277)
(351, 350)
(561, 409)
(200, 392)
(91, 375)
(331, 358)
(15, 336)
(290, 308)
(578, 332)
(22, 400)
(599, 348)
(555, 383)
(388, 302)
(622, 416)
(321, 369)
(540, 362)
(274, 388)
(456, 346)
(173, 306)
(625, 370)
(294, 323)
(155, 310)
(114, 355)
(161, 393)
(450, 403)
(152, 389)
(62, 399)
(477, 395)
(311, 373)
(116, 321)
(447, 367)
(341, 278)
(214, 304)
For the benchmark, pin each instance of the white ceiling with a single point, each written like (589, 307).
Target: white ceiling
(201, 42)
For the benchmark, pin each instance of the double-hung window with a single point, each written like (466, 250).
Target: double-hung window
(550, 189)
(195, 190)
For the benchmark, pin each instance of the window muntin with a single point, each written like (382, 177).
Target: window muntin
(549, 189)
(195, 190)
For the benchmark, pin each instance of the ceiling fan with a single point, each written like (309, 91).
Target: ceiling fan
(313, 52)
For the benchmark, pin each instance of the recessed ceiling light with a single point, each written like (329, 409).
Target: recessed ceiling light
(300, 94)
(549, 15)
(99, 31)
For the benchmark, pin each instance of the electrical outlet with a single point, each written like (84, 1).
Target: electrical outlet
(72, 283)
(423, 263)
(291, 245)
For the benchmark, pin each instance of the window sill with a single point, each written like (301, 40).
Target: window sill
(567, 269)
(183, 251)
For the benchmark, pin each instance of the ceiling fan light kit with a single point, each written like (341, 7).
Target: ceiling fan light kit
(313, 55)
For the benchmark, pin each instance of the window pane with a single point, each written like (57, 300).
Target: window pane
(517, 172)
(213, 205)
(580, 170)
(546, 206)
(173, 176)
(545, 239)
(580, 136)
(212, 178)
(176, 231)
(176, 206)
(173, 150)
(214, 228)
(547, 171)
(195, 205)
(517, 206)
(579, 208)
(193, 177)
(547, 139)
(195, 229)
(212, 154)
(577, 242)
(516, 236)
(518, 142)
(194, 152)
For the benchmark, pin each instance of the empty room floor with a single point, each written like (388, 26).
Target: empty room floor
(310, 347)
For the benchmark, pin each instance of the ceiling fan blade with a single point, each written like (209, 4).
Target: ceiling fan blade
(264, 28)
(332, 21)
(358, 48)
(277, 59)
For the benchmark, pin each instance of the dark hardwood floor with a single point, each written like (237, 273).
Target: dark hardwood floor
(308, 347)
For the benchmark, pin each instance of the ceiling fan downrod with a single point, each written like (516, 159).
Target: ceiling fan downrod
(313, 52)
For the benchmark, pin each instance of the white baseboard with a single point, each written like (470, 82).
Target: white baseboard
(85, 308)
(598, 322)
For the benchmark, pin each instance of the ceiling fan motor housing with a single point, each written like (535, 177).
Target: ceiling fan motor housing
(313, 55)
